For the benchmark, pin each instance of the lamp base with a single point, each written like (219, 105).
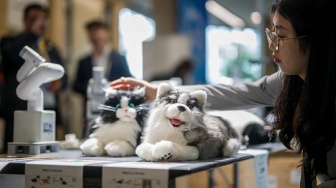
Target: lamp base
(32, 148)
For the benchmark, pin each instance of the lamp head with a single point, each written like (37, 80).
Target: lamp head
(32, 60)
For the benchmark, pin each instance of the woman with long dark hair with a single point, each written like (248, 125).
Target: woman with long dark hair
(303, 93)
(305, 107)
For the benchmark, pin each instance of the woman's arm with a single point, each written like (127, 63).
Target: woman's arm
(246, 95)
(221, 97)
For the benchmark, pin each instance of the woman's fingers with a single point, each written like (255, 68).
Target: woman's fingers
(129, 83)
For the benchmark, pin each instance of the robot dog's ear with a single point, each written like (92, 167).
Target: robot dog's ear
(139, 91)
(163, 89)
(201, 97)
(110, 92)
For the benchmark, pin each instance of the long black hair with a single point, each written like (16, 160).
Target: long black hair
(305, 109)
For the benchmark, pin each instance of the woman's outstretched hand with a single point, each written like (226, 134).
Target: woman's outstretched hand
(129, 83)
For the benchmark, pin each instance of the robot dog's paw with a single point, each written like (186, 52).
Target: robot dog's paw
(163, 150)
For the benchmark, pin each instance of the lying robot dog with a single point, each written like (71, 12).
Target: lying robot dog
(178, 129)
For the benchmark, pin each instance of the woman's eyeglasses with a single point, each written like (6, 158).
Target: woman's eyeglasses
(274, 38)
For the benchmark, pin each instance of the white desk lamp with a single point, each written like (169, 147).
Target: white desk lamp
(34, 129)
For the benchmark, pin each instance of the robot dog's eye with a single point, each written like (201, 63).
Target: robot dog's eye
(192, 103)
(171, 101)
(131, 105)
(118, 106)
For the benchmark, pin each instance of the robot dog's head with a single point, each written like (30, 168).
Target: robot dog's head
(182, 110)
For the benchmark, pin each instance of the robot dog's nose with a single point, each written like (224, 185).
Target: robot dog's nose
(181, 108)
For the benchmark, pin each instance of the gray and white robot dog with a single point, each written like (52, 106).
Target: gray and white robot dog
(178, 129)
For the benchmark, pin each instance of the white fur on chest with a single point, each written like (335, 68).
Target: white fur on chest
(163, 142)
(162, 131)
(119, 130)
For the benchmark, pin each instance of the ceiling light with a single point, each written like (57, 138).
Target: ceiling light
(255, 17)
(223, 14)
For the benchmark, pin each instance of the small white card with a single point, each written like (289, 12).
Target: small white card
(64, 173)
(260, 166)
(137, 174)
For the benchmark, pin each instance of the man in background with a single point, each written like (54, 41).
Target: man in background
(35, 25)
(102, 55)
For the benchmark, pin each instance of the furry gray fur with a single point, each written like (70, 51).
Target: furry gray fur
(179, 129)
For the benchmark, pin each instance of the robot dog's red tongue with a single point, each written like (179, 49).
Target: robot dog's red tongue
(176, 122)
